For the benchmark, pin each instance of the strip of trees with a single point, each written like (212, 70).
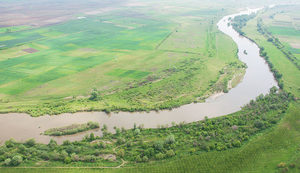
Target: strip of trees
(144, 145)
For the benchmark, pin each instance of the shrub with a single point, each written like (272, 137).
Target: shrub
(67, 160)
(145, 159)
(30, 143)
(137, 131)
(158, 145)
(159, 156)
(16, 160)
(74, 157)
(281, 165)
(138, 158)
(121, 153)
(236, 143)
(258, 124)
(170, 153)
(10, 143)
(170, 139)
(7, 162)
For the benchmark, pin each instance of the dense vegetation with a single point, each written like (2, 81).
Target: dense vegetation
(72, 129)
(240, 21)
(143, 145)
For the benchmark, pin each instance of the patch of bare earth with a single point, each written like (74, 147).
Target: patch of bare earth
(30, 50)
(295, 45)
(99, 141)
(110, 157)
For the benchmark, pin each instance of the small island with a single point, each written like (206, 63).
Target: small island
(71, 129)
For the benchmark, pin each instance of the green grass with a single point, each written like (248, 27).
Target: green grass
(261, 154)
(285, 31)
(291, 75)
(146, 58)
(128, 73)
(13, 29)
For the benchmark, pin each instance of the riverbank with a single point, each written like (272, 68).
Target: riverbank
(257, 80)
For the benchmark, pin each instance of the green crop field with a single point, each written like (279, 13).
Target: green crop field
(151, 55)
(122, 54)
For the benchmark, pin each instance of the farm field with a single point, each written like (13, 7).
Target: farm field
(142, 56)
(273, 150)
(283, 24)
(290, 72)
(134, 60)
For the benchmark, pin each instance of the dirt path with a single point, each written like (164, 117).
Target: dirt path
(61, 167)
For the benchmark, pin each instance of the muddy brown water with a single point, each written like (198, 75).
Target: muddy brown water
(257, 80)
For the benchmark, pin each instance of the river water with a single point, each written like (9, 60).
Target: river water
(257, 80)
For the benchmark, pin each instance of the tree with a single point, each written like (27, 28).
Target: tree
(16, 160)
(10, 143)
(67, 160)
(121, 153)
(170, 139)
(92, 137)
(137, 132)
(159, 156)
(170, 153)
(158, 145)
(145, 159)
(52, 143)
(94, 95)
(7, 162)
(30, 143)
(74, 157)
(138, 158)
(258, 124)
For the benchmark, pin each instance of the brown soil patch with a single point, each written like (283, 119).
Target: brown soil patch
(295, 45)
(30, 50)
(98, 141)
(110, 157)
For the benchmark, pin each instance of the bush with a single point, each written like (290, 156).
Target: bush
(170, 153)
(7, 162)
(10, 143)
(258, 124)
(16, 160)
(137, 131)
(158, 145)
(236, 143)
(281, 165)
(30, 143)
(145, 159)
(121, 153)
(74, 157)
(159, 156)
(67, 160)
(170, 139)
(138, 158)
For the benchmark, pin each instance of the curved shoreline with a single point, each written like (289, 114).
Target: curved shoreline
(257, 80)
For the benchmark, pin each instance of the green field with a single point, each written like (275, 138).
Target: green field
(136, 60)
(152, 61)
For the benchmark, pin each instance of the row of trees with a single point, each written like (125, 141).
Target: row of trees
(143, 145)
(275, 41)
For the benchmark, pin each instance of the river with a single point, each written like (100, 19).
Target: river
(257, 80)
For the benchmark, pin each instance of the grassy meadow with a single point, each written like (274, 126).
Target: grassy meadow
(274, 150)
(134, 59)
(152, 61)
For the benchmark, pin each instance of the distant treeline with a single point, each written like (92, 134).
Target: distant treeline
(239, 22)
(276, 42)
